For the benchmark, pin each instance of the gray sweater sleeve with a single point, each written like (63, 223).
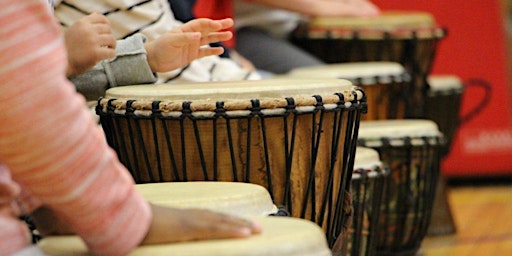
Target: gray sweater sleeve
(129, 67)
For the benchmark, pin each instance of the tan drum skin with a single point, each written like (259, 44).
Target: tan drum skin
(234, 198)
(281, 236)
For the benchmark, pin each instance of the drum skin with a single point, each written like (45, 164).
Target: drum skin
(280, 236)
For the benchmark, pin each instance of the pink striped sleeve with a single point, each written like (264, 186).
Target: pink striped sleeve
(49, 142)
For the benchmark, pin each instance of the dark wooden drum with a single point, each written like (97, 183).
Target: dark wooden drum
(367, 189)
(296, 138)
(412, 150)
(407, 37)
(384, 84)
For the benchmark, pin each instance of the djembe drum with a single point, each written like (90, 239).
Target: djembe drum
(384, 84)
(443, 107)
(367, 188)
(412, 150)
(280, 236)
(233, 198)
(409, 38)
(294, 137)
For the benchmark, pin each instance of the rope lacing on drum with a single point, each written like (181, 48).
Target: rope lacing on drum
(187, 111)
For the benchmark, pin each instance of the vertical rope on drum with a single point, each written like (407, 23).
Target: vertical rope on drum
(402, 209)
(132, 142)
(378, 195)
(435, 153)
(248, 156)
(198, 141)
(315, 142)
(155, 110)
(359, 211)
(422, 193)
(231, 149)
(170, 149)
(267, 161)
(346, 168)
(329, 191)
(388, 48)
(182, 138)
(144, 150)
(219, 111)
(288, 151)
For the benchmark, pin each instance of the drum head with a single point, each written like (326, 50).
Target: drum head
(445, 83)
(235, 198)
(280, 236)
(359, 73)
(234, 90)
(413, 128)
(366, 158)
(388, 20)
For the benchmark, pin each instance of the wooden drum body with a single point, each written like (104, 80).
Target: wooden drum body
(409, 38)
(280, 237)
(296, 138)
(384, 84)
(412, 150)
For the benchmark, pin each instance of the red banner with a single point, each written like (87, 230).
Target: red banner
(475, 47)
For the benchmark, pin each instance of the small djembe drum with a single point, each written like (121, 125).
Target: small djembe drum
(407, 37)
(412, 150)
(384, 84)
(280, 237)
(233, 198)
(367, 189)
(295, 137)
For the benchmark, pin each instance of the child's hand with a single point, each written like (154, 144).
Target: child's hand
(88, 41)
(182, 45)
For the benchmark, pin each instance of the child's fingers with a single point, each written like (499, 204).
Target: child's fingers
(205, 26)
(215, 37)
(102, 28)
(207, 51)
(107, 40)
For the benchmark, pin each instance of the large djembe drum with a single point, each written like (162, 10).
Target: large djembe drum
(294, 137)
(280, 237)
(412, 148)
(384, 84)
(407, 37)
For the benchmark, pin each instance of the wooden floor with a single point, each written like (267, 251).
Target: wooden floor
(483, 219)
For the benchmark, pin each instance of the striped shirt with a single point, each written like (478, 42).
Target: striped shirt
(127, 17)
(51, 152)
(152, 18)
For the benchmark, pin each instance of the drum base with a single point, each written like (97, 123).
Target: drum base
(441, 222)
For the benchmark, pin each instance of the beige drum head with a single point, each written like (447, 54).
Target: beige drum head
(281, 236)
(235, 198)
(366, 158)
(234, 90)
(399, 25)
(367, 72)
(445, 83)
(374, 131)
(388, 20)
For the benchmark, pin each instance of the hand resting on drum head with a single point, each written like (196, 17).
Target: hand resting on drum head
(168, 225)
